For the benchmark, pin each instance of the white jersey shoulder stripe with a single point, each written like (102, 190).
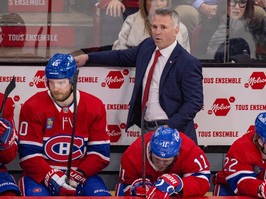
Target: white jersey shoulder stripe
(31, 143)
(238, 173)
(99, 142)
(31, 156)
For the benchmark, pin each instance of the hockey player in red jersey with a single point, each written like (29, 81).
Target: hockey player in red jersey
(8, 148)
(175, 165)
(244, 165)
(45, 128)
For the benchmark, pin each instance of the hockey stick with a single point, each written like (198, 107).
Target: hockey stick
(75, 80)
(9, 88)
(143, 149)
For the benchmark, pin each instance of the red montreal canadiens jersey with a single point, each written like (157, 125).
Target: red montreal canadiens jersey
(45, 133)
(9, 154)
(244, 169)
(191, 165)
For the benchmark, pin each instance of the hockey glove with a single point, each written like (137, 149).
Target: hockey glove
(55, 180)
(261, 190)
(165, 186)
(138, 190)
(7, 134)
(155, 193)
(76, 177)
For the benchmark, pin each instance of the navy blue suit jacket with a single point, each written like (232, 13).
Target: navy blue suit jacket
(180, 90)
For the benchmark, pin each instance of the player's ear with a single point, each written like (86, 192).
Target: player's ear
(176, 30)
(260, 142)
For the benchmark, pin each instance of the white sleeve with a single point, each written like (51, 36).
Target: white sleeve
(183, 38)
(123, 35)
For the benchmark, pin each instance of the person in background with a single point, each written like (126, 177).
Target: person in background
(261, 3)
(243, 172)
(195, 12)
(175, 94)
(174, 165)
(198, 12)
(137, 27)
(259, 28)
(237, 16)
(8, 148)
(46, 121)
(115, 7)
(260, 37)
(202, 19)
(260, 11)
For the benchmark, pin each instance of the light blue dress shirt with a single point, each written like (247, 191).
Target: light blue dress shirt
(198, 3)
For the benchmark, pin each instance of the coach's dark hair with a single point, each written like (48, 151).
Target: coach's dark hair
(169, 12)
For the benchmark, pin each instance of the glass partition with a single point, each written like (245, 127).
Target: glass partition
(218, 32)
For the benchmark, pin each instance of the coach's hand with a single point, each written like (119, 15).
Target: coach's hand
(137, 188)
(81, 59)
(7, 134)
(55, 180)
(165, 186)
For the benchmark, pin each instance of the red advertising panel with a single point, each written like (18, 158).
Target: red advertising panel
(232, 99)
(35, 5)
(37, 36)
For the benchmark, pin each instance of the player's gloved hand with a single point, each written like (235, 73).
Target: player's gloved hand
(76, 177)
(262, 190)
(7, 134)
(138, 190)
(55, 180)
(165, 186)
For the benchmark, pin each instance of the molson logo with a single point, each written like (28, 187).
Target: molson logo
(115, 79)
(39, 79)
(114, 132)
(257, 80)
(221, 106)
(16, 98)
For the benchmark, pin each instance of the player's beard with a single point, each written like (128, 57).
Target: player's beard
(161, 169)
(165, 168)
(59, 97)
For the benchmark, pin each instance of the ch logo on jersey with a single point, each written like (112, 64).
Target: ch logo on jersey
(57, 148)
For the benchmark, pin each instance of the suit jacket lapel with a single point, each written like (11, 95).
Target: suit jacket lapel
(145, 59)
(170, 62)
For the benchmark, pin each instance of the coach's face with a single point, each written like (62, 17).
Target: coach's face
(163, 31)
(60, 89)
